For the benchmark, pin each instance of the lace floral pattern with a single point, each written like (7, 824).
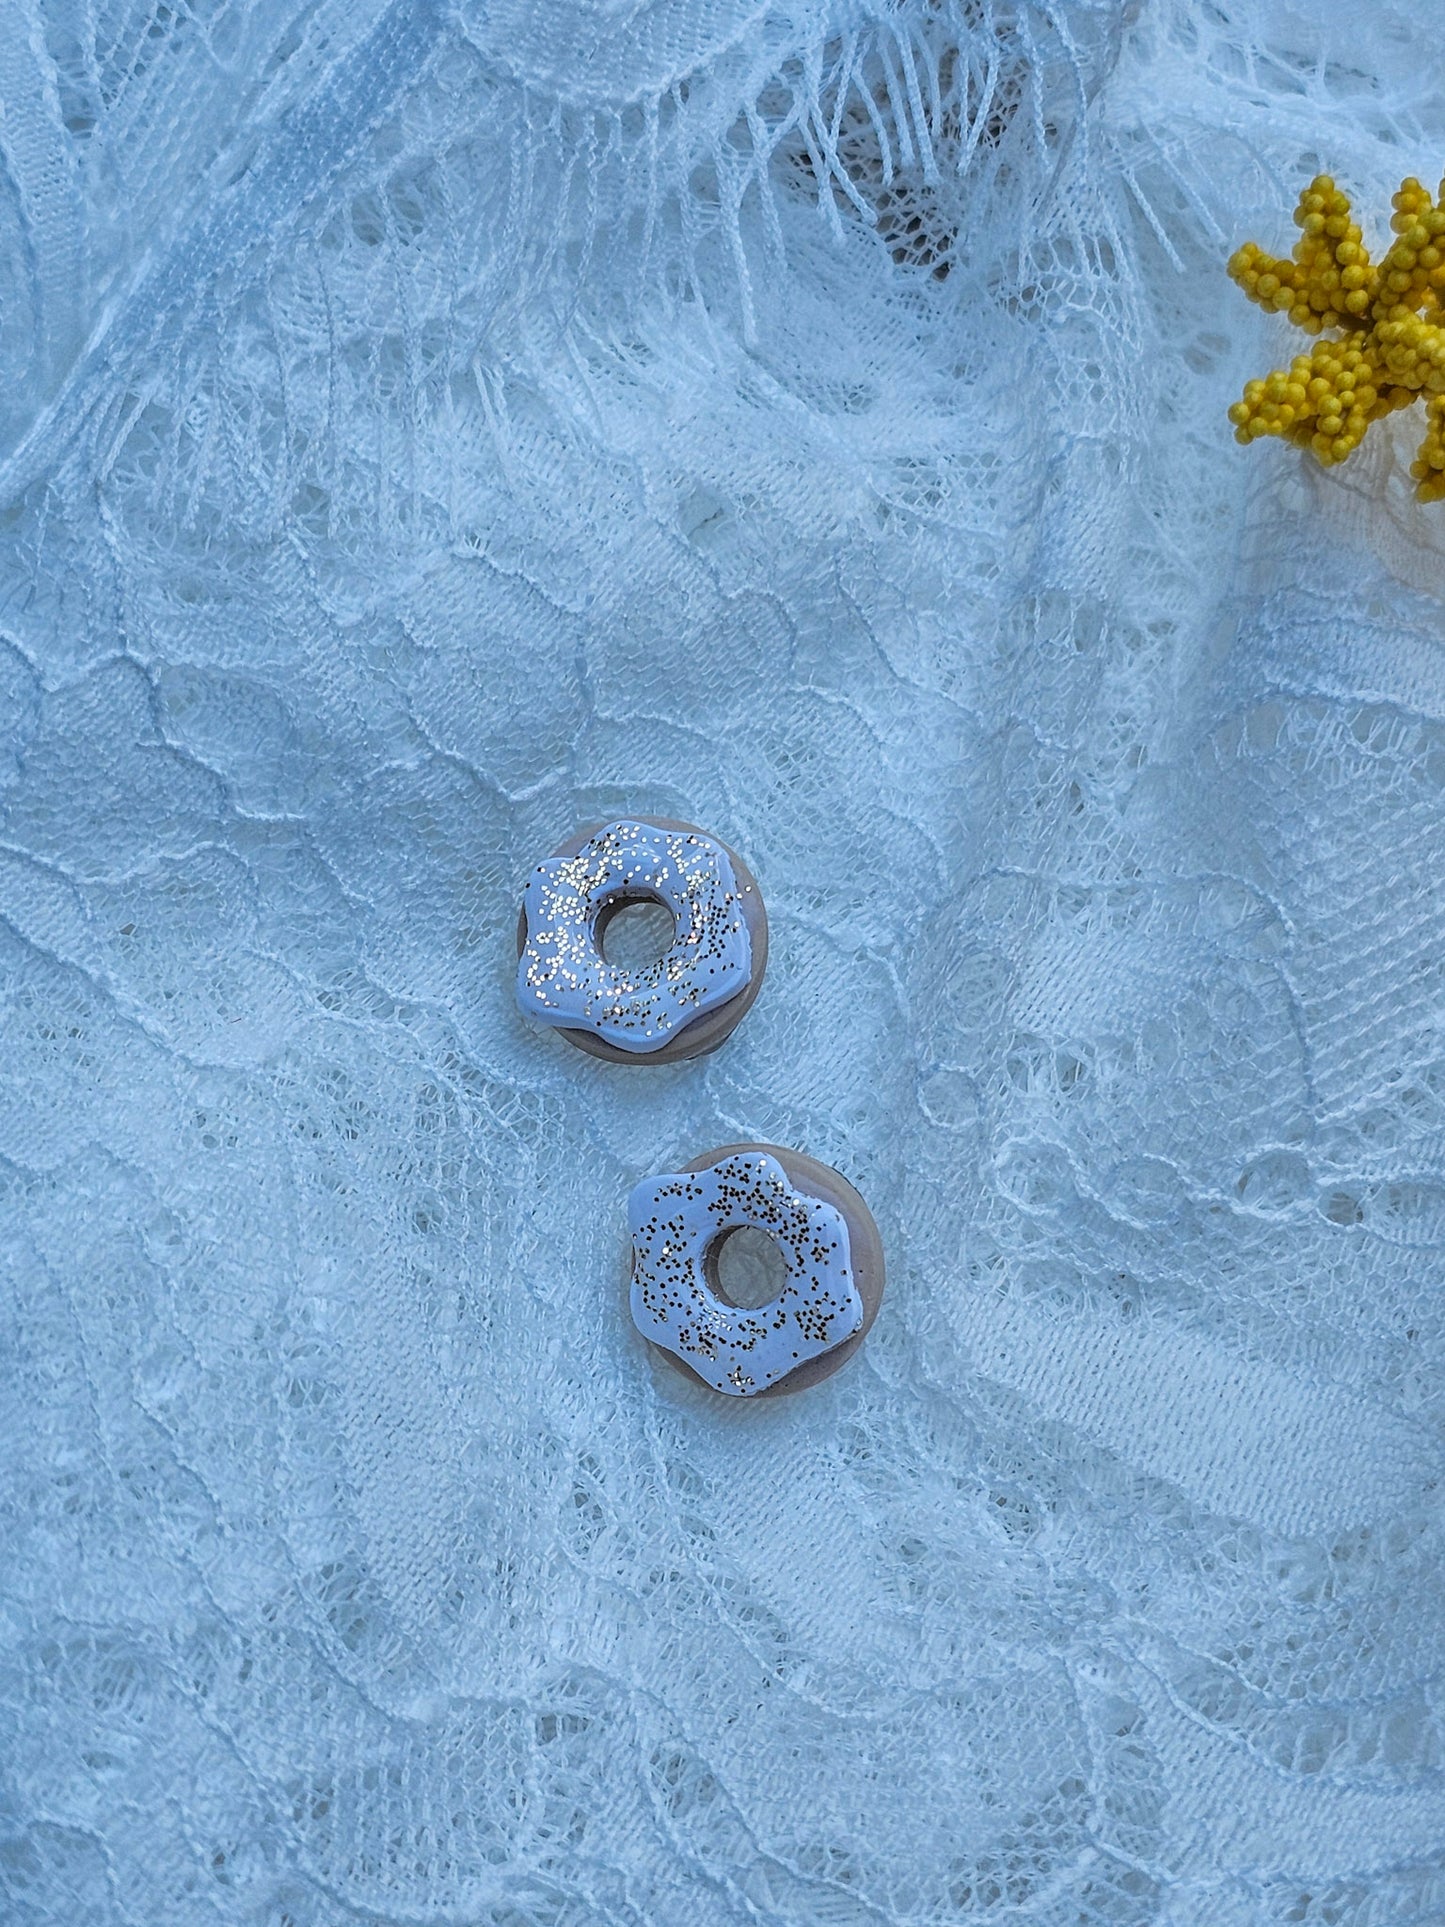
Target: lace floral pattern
(428, 428)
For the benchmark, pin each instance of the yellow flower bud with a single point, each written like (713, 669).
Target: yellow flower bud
(1379, 331)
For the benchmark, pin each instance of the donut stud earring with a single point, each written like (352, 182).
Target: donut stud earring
(682, 1004)
(832, 1258)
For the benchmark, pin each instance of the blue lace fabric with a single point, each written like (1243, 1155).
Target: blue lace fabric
(426, 428)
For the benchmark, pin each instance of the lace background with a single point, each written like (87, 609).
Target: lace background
(428, 427)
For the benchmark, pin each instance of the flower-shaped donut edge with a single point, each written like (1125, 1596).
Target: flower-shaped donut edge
(803, 1333)
(602, 1009)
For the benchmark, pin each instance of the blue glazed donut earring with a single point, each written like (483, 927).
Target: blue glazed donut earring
(832, 1258)
(683, 1004)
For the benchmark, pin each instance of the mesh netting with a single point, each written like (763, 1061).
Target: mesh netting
(430, 428)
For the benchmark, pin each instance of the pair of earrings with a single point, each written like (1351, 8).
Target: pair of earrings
(683, 1004)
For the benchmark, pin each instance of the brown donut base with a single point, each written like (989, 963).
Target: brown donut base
(703, 1034)
(865, 1254)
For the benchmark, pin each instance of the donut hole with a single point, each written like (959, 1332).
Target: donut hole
(633, 933)
(745, 1267)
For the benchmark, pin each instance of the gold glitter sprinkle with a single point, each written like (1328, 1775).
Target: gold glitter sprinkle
(678, 1218)
(563, 978)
